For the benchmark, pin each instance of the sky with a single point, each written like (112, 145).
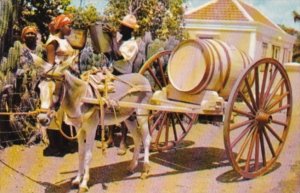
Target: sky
(279, 11)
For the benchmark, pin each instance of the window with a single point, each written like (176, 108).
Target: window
(275, 52)
(264, 49)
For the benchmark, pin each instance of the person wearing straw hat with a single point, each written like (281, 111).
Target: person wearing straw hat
(125, 50)
(125, 47)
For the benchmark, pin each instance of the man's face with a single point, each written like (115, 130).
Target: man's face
(30, 39)
(125, 31)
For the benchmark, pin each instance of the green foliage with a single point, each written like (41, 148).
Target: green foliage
(3, 65)
(13, 57)
(288, 30)
(5, 15)
(83, 17)
(161, 17)
(39, 13)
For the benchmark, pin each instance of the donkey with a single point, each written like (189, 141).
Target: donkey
(86, 117)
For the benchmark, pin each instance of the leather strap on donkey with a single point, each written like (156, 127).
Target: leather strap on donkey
(127, 88)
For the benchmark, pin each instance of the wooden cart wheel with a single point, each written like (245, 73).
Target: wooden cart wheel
(69, 132)
(166, 128)
(257, 118)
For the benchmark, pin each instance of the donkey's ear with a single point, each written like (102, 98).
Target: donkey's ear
(67, 63)
(40, 63)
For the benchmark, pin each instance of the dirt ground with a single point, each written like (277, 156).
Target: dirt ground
(199, 166)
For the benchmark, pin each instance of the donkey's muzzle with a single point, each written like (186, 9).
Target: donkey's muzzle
(43, 119)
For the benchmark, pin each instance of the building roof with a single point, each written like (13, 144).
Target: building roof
(229, 10)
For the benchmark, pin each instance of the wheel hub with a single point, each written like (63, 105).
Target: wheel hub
(263, 117)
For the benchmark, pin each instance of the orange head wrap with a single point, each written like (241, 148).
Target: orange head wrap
(28, 29)
(58, 22)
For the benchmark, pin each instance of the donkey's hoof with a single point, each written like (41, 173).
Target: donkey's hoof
(75, 184)
(83, 189)
(131, 168)
(121, 151)
(145, 172)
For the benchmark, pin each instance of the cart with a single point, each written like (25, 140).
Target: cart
(256, 105)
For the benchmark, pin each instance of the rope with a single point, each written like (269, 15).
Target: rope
(8, 132)
(23, 113)
(12, 140)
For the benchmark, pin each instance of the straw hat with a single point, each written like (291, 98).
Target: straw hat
(129, 21)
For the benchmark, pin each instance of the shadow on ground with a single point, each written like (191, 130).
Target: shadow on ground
(181, 160)
(233, 176)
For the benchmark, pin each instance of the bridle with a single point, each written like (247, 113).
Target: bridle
(59, 88)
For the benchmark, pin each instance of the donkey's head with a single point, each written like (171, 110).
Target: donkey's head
(51, 91)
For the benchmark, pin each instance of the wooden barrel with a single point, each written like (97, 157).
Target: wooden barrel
(205, 64)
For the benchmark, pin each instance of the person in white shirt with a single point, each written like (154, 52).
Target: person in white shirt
(125, 47)
(125, 50)
(58, 50)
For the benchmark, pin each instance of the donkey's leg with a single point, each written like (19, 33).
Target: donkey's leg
(81, 150)
(146, 137)
(132, 127)
(123, 147)
(91, 127)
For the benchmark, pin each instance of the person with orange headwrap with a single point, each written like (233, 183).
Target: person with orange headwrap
(59, 50)
(29, 38)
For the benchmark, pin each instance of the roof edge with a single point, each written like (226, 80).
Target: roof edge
(200, 7)
(264, 16)
(241, 8)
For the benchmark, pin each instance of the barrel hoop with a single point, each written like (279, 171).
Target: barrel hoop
(213, 62)
(220, 61)
(247, 57)
(243, 58)
(229, 64)
(207, 74)
(207, 61)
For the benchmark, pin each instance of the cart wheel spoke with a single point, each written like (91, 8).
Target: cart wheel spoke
(256, 79)
(287, 106)
(162, 73)
(270, 85)
(174, 127)
(256, 166)
(242, 112)
(242, 134)
(247, 102)
(277, 101)
(161, 128)
(275, 90)
(250, 93)
(155, 78)
(243, 146)
(268, 141)
(250, 151)
(263, 152)
(263, 84)
(274, 133)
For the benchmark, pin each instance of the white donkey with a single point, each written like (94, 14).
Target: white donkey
(86, 117)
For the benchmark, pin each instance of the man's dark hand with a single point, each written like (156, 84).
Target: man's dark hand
(109, 29)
